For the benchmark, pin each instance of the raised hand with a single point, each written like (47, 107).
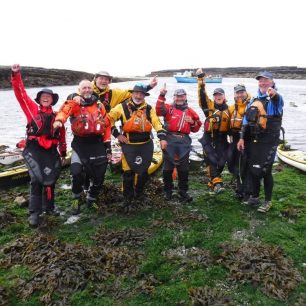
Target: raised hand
(163, 91)
(271, 92)
(15, 67)
(200, 73)
(153, 82)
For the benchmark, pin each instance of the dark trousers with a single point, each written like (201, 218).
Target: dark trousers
(41, 198)
(182, 171)
(268, 185)
(79, 176)
(129, 188)
(215, 150)
(237, 165)
(262, 151)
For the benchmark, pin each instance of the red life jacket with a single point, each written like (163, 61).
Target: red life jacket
(42, 124)
(175, 121)
(89, 123)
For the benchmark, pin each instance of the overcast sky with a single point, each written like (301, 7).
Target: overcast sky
(135, 37)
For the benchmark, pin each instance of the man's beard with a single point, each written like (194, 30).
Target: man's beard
(137, 101)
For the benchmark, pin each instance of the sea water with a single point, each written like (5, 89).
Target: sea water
(13, 122)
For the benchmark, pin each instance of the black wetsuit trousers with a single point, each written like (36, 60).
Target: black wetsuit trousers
(215, 149)
(41, 198)
(182, 171)
(261, 155)
(237, 165)
(129, 188)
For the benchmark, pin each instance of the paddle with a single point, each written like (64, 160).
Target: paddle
(285, 146)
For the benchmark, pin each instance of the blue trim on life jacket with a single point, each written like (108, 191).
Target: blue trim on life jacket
(273, 108)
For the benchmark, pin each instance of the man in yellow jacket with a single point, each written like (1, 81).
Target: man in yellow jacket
(216, 128)
(112, 97)
(137, 119)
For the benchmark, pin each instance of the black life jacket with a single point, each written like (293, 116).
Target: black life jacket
(42, 124)
(106, 99)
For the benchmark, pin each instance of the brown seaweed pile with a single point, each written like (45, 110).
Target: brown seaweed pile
(109, 196)
(130, 237)
(301, 300)
(206, 296)
(263, 265)
(4, 297)
(6, 219)
(182, 220)
(60, 268)
(193, 257)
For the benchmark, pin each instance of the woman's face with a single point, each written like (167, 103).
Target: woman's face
(45, 99)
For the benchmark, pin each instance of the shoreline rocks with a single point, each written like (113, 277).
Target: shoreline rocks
(279, 72)
(43, 77)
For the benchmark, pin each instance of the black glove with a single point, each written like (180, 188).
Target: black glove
(200, 73)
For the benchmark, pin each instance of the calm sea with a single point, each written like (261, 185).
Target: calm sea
(12, 127)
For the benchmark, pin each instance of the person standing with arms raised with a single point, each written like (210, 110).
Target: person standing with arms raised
(91, 130)
(261, 131)
(216, 128)
(179, 121)
(44, 146)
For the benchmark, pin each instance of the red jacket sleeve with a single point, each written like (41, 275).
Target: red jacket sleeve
(197, 122)
(62, 145)
(161, 107)
(29, 107)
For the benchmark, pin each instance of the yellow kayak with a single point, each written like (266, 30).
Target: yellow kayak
(156, 162)
(295, 158)
(19, 175)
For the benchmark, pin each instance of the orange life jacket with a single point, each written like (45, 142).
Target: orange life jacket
(218, 121)
(237, 116)
(89, 123)
(137, 122)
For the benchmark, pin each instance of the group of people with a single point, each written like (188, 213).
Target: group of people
(243, 135)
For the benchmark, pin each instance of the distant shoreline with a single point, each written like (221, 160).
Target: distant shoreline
(279, 72)
(43, 77)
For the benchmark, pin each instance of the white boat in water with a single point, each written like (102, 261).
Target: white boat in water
(188, 77)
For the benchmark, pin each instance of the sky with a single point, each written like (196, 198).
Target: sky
(134, 37)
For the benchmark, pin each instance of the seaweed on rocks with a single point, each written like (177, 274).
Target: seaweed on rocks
(206, 296)
(131, 237)
(182, 220)
(61, 269)
(261, 265)
(301, 300)
(7, 218)
(4, 296)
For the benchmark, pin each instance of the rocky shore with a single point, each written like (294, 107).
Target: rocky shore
(281, 72)
(43, 77)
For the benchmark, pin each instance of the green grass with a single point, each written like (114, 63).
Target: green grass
(227, 220)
